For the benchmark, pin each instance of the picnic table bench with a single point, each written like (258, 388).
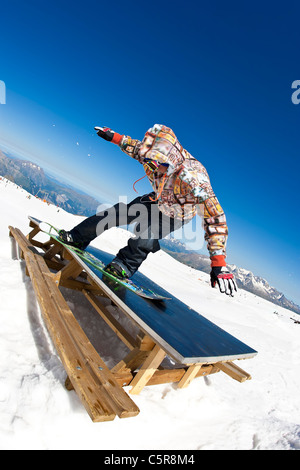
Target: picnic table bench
(196, 346)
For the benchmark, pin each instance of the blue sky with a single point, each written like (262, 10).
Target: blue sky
(218, 73)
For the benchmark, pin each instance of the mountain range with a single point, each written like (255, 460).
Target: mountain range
(245, 279)
(33, 179)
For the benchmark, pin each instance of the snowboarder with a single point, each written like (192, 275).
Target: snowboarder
(181, 189)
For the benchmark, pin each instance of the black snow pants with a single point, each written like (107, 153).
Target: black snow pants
(150, 225)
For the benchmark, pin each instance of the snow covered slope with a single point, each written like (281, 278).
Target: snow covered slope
(216, 412)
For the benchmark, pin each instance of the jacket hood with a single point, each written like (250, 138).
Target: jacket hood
(161, 146)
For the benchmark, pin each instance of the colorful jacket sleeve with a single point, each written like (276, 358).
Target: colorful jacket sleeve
(215, 229)
(130, 147)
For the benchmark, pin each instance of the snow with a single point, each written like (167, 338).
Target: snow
(213, 413)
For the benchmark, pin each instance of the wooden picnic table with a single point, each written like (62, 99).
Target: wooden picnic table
(166, 328)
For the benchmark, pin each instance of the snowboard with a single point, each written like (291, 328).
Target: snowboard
(97, 264)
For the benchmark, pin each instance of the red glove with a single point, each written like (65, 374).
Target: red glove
(225, 280)
(108, 134)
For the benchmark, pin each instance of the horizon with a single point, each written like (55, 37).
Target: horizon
(62, 179)
(222, 76)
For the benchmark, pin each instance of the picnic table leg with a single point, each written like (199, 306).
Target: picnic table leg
(189, 375)
(147, 370)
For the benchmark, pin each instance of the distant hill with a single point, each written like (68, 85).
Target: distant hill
(33, 179)
(245, 279)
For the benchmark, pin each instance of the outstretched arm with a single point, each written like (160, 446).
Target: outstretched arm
(216, 230)
(108, 134)
(216, 234)
(127, 144)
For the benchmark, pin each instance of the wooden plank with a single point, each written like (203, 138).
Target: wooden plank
(78, 285)
(132, 361)
(53, 251)
(22, 241)
(123, 378)
(190, 374)
(116, 326)
(145, 343)
(33, 232)
(175, 375)
(147, 370)
(54, 264)
(233, 371)
(68, 384)
(67, 274)
(71, 270)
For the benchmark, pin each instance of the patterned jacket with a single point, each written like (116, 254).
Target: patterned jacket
(185, 189)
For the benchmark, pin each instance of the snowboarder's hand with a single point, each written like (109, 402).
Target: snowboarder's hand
(109, 135)
(105, 132)
(225, 280)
